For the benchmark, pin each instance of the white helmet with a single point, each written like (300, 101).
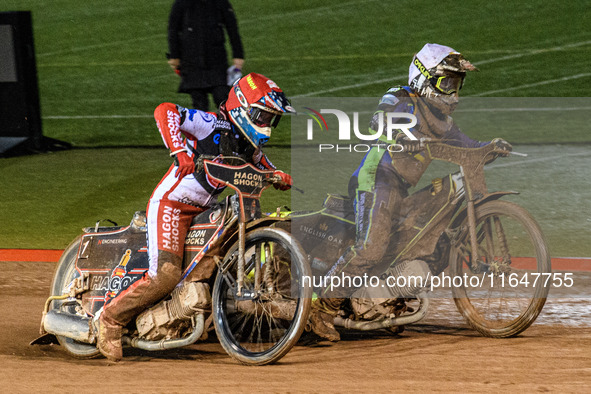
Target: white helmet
(437, 73)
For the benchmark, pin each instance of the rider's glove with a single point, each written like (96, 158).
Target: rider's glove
(286, 180)
(413, 146)
(186, 166)
(503, 146)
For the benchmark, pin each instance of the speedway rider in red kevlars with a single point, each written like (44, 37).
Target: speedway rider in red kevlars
(240, 128)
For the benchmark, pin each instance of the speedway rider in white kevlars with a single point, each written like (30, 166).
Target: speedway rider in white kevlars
(240, 128)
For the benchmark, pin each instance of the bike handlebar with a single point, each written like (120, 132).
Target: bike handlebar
(499, 146)
(277, 180)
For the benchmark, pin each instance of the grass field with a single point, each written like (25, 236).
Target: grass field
(102, 71)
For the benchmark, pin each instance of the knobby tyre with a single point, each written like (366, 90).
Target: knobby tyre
(64, 276)
(266, 322)
(505, 294)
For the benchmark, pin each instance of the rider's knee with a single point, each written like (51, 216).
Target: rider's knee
(371, 251)
(169, 271)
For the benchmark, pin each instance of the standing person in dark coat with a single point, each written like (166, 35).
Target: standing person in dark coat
(196, 44)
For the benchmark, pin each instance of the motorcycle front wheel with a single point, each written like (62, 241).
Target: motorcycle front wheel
(503, 294)
(64, 277)
(262, 321)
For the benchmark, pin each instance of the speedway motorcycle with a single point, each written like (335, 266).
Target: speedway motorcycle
(491, 251)
(258, 304)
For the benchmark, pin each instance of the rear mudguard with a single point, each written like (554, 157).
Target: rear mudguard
(112, 258)
(324, 235)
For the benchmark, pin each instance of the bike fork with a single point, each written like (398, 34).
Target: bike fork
(472, 230)
(241, 252)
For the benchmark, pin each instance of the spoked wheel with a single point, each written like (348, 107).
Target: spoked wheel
(262, 322)
(64, 278)
(505, 293)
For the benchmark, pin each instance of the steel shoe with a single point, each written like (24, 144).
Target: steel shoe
(322, 324)
(109, 340)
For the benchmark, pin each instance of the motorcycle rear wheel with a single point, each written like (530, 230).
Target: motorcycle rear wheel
(261, 329)
(66, 273)
(507, 292)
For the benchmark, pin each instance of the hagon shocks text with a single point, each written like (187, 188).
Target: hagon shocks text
(248, 179)
(170, 226)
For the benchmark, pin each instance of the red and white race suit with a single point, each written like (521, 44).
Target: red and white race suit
(175, 201)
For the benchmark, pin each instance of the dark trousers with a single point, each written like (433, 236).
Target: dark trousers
(201, 100)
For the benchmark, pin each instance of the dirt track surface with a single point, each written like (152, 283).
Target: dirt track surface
(441, 355)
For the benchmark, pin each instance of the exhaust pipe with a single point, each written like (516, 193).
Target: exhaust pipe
(78, 328)
(198, 327)
(387, 322)
(69, 326)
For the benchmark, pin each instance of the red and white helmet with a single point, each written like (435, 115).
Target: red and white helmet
(255, 105)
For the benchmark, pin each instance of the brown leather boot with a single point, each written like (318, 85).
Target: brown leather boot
(323, 326)
(130, 302)
(109, 340)
(322, 318)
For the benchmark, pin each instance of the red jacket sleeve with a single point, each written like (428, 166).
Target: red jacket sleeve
(168, 120)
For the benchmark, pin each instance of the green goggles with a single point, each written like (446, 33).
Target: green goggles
(447, 84)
